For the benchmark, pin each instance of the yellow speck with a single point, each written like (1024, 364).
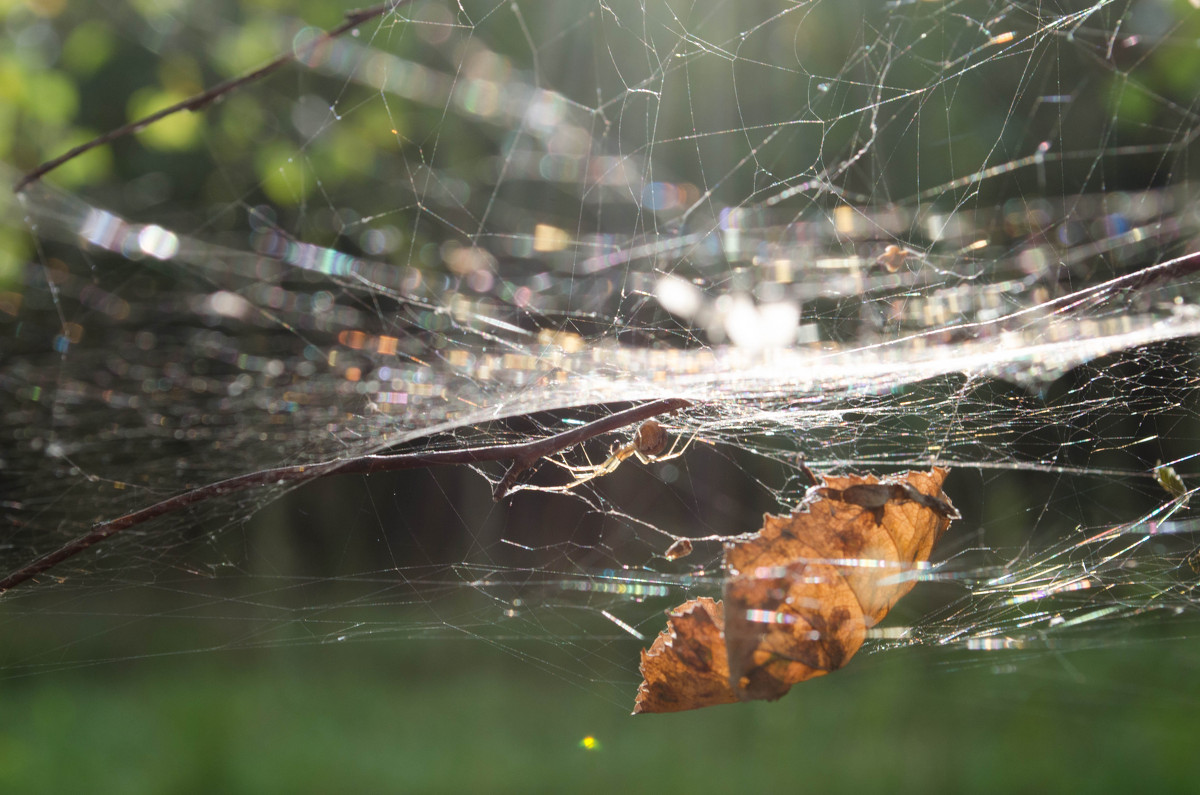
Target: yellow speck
(589, 743)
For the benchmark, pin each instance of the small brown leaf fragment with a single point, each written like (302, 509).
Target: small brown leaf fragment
(680, 549)
(686, 666)
(893, 258)
(800, 594)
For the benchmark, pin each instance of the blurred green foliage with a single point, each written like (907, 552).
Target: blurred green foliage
(71, 71)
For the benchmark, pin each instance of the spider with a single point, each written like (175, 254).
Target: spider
(647, 445)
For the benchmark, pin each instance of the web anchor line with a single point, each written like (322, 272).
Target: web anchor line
(523, 456)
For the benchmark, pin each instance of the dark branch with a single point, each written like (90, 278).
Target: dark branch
(199, 101)
(522, 456)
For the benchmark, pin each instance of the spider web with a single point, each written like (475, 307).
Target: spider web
(864, 237)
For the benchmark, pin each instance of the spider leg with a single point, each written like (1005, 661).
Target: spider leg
(582, 474)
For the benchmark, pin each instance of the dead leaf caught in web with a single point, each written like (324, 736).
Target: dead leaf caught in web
(686, 666)
(800, 595)
(680, 549)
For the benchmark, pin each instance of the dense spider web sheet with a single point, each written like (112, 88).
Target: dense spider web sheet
(472, 224)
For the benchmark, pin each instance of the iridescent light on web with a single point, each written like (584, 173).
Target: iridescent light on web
(1042, 593)
(635, 589)
(103, 229)
(158, 242)
(770, 617)
(994, 644)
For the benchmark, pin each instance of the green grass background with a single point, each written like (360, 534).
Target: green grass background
(428, 716)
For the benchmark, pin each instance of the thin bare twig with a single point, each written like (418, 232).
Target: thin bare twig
(352, 20)
(522, 456)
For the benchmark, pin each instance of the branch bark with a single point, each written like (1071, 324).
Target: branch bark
(522, 456)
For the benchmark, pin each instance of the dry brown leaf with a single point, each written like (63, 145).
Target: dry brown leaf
(800, 595)
(692, 644)
(680, 549)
